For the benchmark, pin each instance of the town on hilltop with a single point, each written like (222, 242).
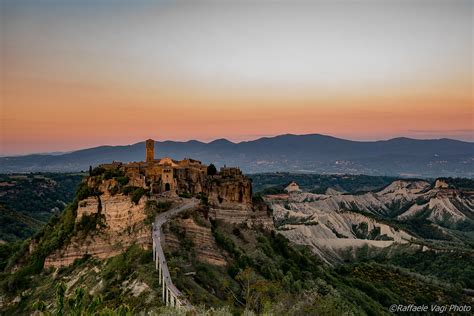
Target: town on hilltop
(189, 177)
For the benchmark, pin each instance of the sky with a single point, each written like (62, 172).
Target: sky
(77, 74)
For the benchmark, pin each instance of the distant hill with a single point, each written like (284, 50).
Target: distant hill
(294, 153)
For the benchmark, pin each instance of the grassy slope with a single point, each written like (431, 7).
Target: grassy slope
(288, 280)
(112, 280)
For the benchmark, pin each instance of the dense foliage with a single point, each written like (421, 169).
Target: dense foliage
(274, 183)
(28, 201)
(452, 266)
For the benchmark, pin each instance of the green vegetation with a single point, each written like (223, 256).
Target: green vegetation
(55, 234)
(452, 266)
(16, 225)
(27, 202)
(386, 284)
(122, 285)
(268, 274)
(211, 170)
(135, 193)
(81, 303)
(264, 272)
(84, 191)
(90, 223)
(97, 171)
(274, 183)
(113, 173)
(98, 174)
(6, 252)
(153, 208)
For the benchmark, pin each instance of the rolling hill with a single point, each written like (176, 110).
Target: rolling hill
(294, 153)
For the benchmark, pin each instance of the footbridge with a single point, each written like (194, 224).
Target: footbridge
(171, 296)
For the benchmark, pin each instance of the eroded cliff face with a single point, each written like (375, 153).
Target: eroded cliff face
(109, 222)
(402, 199)
(330, 233)
(252, 215)
(199, 238)
(190, 180)
(229, 191)
(230, 200)
(121, 224)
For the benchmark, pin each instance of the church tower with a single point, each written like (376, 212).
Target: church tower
(150, 150)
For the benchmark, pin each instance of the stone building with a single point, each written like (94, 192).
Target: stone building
(187, 176)
(150, 150)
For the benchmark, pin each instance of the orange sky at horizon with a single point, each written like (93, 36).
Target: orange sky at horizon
(63, 89)
(108, 114)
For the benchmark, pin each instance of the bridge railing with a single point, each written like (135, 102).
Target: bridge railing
(171, 296)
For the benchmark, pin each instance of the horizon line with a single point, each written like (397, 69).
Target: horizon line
(60, 153)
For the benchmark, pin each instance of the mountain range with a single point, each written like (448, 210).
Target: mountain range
(313, 153)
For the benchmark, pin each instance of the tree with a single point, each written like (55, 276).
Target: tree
(211, 170)
(256, 291)
(60, 292)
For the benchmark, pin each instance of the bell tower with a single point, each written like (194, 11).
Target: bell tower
(150, 150)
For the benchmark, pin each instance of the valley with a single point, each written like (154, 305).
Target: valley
(354, 245)
(236, 158)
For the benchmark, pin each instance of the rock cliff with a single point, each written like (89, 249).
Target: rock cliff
(119, 224)
(227, 192)
(230, 200)
(330, 232)
(402, 199)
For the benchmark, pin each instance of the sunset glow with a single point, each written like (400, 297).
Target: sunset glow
(76, 75)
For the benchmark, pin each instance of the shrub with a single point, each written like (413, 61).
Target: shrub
(123, 180)
(114, 190)
(97, 171)
(186, 195)
(84, 191)
(90, 222)
(153, 208)
(128, 189)
(211, 170)
(204, 199)
(137, 195)
(113, 173)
